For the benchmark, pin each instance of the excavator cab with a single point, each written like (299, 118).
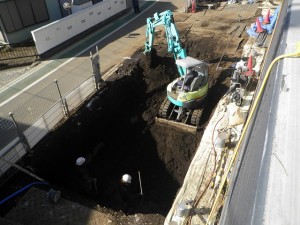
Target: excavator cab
(186, 95)
(188, 90)
(196, 72)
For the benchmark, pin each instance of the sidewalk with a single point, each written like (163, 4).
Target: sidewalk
(116, 41)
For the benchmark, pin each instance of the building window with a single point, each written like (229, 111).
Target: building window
(17, 14)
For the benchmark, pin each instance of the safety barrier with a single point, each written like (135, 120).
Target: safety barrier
(53, 34)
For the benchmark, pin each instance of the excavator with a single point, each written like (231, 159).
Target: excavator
(186, 95)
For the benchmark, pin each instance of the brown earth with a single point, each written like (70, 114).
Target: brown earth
(117, 134)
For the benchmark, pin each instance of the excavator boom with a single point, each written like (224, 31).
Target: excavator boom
(182, 108)
(174, 45)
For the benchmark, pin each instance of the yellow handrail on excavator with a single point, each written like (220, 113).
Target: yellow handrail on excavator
(290, 55)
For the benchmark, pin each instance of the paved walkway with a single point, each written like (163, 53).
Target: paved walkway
(116, 41)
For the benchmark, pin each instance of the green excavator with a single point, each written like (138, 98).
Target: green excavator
(186, 95)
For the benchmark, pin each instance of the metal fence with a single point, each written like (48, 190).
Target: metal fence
(35, 107)
(16, 51)
(24, 128)
(29, 123)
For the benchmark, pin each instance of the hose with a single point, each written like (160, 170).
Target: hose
(255, 104)
(21, 190)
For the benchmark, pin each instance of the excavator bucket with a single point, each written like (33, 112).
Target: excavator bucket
(192, 86)
(176, 125)
(168, 116)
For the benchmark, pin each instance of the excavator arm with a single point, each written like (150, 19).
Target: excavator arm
(186, 95)
(174, 46)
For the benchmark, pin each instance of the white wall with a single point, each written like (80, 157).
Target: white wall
(53, 34)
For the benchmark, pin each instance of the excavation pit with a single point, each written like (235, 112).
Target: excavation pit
(116, 133)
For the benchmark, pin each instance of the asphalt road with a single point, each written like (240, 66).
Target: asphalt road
(246, 201)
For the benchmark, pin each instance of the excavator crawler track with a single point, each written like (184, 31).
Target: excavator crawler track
(164, 119)
(196, 116)
(165, 109)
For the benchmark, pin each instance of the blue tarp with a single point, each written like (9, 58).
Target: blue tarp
(268, 27)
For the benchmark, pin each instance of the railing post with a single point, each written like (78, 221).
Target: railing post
(62, 100)
(95, 60)
(22, 137)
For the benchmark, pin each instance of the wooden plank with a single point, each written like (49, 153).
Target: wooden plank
(232, 29)
(240, 30)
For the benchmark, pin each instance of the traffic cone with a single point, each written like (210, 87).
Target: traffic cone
(249, 63)
(259, 29)
(250, 71)
(267, 18)
(193, 6)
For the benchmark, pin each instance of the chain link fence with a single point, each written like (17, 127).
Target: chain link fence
(8, 131)
(31, 110)
(19, 50)
(21, 54)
